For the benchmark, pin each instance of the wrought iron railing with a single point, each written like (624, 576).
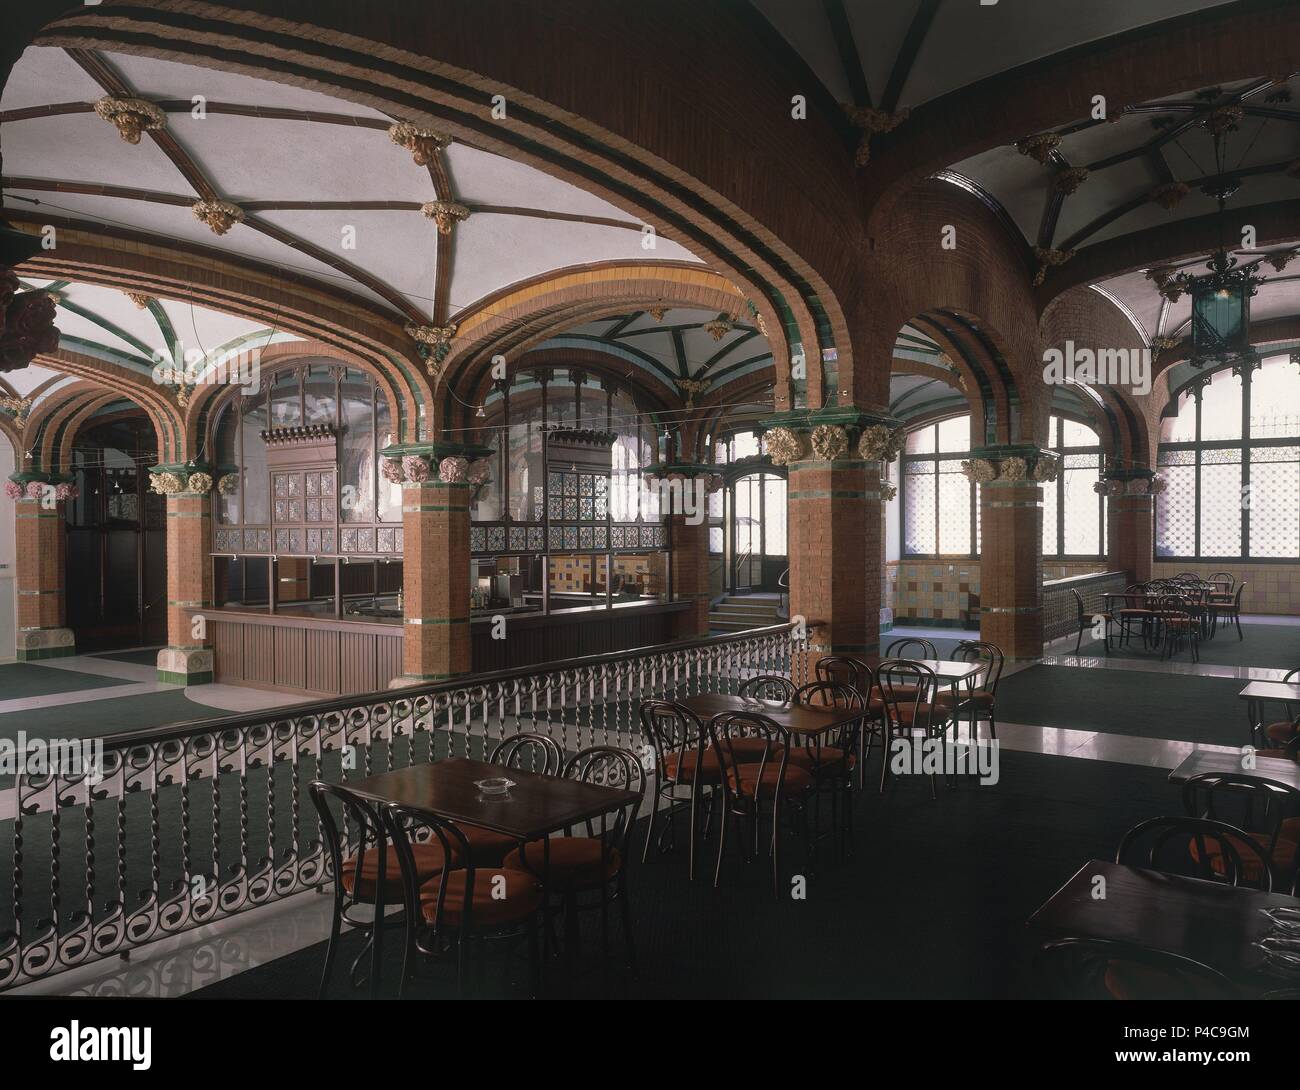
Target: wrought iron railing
(193, 823)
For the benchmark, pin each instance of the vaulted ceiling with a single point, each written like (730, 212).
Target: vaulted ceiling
(323, 189)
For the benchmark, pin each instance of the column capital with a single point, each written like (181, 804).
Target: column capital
(1012, 463)
(832, 434)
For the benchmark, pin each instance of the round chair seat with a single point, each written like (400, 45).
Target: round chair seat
(570, 860)
(487, 848)
(681, 768)
(522, 897)
(1282, 732)
(751, 784)
(429, 861)
(817, 758)
(1284, 855)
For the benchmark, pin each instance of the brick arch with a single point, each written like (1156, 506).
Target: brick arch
(976, 299)
(164, 413)
(586, 129)
(71, 426)
(374, 338)
(517, 318)
(715, 405)
(208, 400)
(46, 421)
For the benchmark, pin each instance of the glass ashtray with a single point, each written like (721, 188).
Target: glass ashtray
(498, 787)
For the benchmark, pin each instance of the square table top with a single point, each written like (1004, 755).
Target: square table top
(1271, 690)
(805, 719)
(1269, 769)
(950, 670)
(537, 805)
(1212, 923)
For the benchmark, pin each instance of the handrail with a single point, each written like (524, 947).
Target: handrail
(343, 703)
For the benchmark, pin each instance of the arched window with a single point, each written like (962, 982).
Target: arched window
(1074, 515)
(1230, 454)
(940, 505)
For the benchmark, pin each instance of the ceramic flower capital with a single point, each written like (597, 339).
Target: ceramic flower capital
(783, 446)
(980, 470)
(829, 441)
(879, 443)
(452, 470)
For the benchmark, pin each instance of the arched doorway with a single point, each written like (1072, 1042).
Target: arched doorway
(116, 577)
(756, 532)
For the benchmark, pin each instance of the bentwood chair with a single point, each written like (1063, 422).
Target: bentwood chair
(911, 647)
(1284, 730)
(1134, 611)
(1227, 578)
(586, 870)
(1107, 969)
(367, 877)
(1197, 848)
(1177, 626)
(771, 785)
(1267, 812)
(1087, 618)
(529, 751)
(832, 759)
(768, 687)
(683, 762)
(857, 675)
(908, 692)
(463, 904)
(1228, 608)
(976, 698)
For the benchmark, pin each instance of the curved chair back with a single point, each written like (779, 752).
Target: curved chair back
(726, 728)
(907, 689)
(1187, 842)
(845, 671)
(611, 766)
(360, 829)
(671, 729)
(1225, 577)
(987, 654)
(1254, 803)
(403, 825)
(911, 647)
(530, 751)
(768, 687)
(830, 694)
(1075, 963)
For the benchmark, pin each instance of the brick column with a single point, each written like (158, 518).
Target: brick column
(1011, 567)
(835, 542)
(39, 540)
(1129, 529)
(187, 658)
(435, 581)
(690, 574)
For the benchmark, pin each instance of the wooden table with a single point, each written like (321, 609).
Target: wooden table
(538, 805)
(1258, 693)
(1268, 769)
(808, 720)
(1211, 923)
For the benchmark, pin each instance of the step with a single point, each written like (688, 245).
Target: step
(740, 615)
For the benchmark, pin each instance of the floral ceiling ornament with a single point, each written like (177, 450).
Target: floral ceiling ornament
(27, 327)
(220, 216)
(757, 315)
(829, 441)
(1039, 147)
(452, 470)
(657, 312)
(1161, 345)
(415, 468)
(199, 482)
(16, 407)
(1169, 195)
(1224, 119)
(1163, 277)
(872, 122)
(980, 470)
(139, 298)
(423, 144)
(228, 484)
(184, 391)
(1068, 181)
(132, 116)
(719, 327)
(446, 214)
(783, 446)
(1281, 259)
(1049, 259)
(879, 443)
(1013, 469)
(692, 388)
(165, 483)
(434, 342)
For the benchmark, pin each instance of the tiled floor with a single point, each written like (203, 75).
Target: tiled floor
(184, 963)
